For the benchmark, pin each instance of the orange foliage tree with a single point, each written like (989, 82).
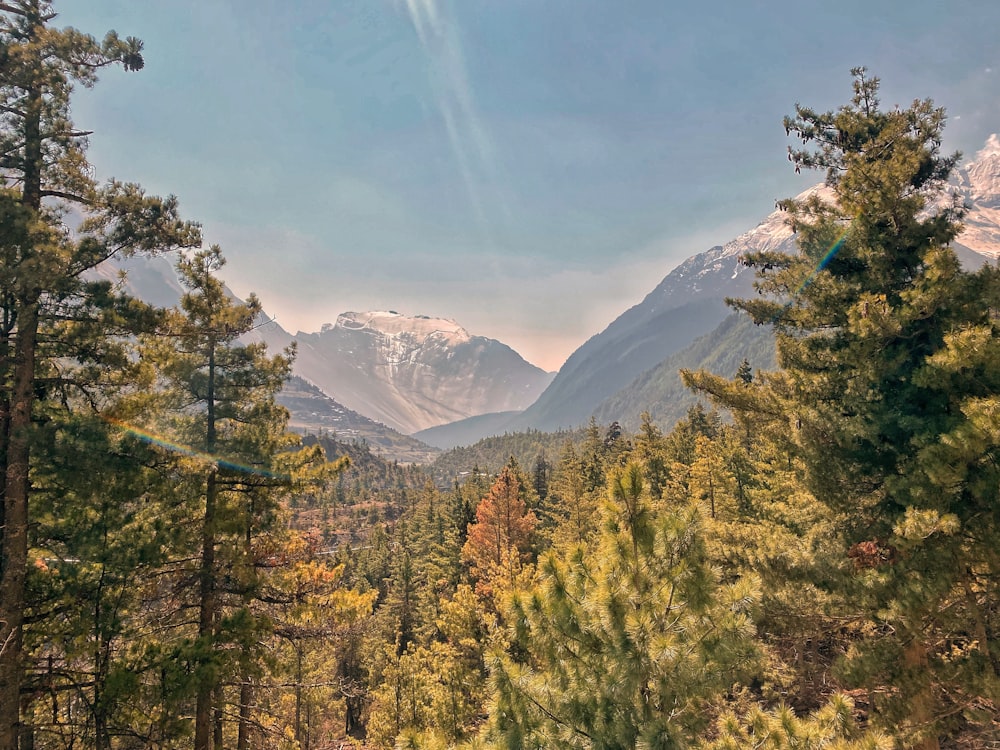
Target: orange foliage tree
(499, 542)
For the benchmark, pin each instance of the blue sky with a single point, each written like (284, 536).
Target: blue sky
(528, 168)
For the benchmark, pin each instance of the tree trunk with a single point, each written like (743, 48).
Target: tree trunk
(217, 699)
(14, 561)
(246, 696)
(204, 715)
(206, 622)
(922, 706)
(14, 555)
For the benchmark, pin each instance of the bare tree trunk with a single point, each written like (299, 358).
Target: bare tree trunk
(246, 697)
(217, 699)
(922, 706)
(206, 622)
(14, 560)
(204, 714)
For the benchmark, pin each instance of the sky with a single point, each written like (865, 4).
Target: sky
(528, 168)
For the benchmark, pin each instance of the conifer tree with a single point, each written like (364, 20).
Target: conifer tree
(218, 401)
(98, 539)
(44, 171)
(499, 542)
(650, 451)
(872, 317)
(830, 728)
(625, 645)
(571, 509)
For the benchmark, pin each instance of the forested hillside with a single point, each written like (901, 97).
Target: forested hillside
(819, 569)
(530, 448)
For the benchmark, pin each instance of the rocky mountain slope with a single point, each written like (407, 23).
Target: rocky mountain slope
(412, 373)
(631, 365)
(659, 390)
(313, 412)
(979, 184)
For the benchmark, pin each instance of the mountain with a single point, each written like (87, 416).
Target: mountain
(659, 390)
(407, 372)
(414, 372)
(467, 431)
(631, 365)
(979, 184)
(312, 411)
(688, 303)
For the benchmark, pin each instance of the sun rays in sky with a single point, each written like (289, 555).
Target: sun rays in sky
(469, 138)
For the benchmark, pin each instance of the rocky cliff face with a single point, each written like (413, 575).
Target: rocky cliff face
(415, 372)
(979, 185)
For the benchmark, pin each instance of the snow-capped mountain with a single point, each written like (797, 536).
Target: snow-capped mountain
(689, 303)
(415, 372)
(407, 372)
(979, 185)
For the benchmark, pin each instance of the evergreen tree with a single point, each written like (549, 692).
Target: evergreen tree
(569, 516)
(650, 451)
(627, 645)
(99, 538)
(872, 317)
(499, 542)
(316, 620)
(44, 171)
(830, 728)
(218, 402)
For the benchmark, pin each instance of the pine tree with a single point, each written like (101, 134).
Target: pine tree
(625, 645)
(830, 728)
(315, 619)
(570, 514)
(650, 451)
(499, 542)
(44, 171)
(872, 317)
(218, 402)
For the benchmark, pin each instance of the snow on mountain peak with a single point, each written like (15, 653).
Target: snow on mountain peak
(981, 177)
(391, 323)
(979, 184)
(992, 148)
(773, 233)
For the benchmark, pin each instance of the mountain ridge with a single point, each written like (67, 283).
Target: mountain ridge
(666, 321)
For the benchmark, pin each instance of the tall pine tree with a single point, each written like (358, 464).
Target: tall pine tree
(44, 172)
(873, 318)
(235, 463)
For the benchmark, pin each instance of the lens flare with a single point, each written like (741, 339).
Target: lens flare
(824, 262)
(834, 249)
(163, 442)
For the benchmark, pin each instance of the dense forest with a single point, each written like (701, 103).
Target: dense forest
(811, 563)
